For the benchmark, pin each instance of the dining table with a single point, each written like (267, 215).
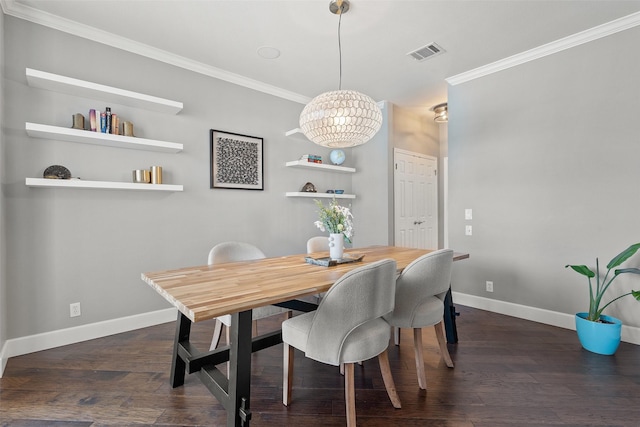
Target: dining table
(205, 292)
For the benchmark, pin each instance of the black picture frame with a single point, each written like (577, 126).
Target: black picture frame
(236, 161)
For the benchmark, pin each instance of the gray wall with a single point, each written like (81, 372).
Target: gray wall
(3, 287)
(375, 206)
(546, 154)
(90, 246)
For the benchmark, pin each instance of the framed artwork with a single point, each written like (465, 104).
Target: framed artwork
(236, 161)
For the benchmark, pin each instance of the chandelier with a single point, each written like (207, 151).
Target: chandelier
(340, 118)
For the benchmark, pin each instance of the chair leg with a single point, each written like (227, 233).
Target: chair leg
(442, 342)
(396, 335)
(417, 349)
(385, 370)
(350, 394)
(287, 375)
(217, 332)
(342, 367)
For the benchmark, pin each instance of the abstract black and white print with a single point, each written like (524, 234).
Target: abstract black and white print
(236, 161)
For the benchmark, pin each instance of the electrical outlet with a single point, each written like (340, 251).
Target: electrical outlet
(489, 286)
(74, 309)
(468, 230)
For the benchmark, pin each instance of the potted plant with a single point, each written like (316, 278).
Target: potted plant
(599, 333)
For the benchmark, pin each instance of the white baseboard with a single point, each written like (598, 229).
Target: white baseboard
(629, 334)
(3, 359)
(47, 340)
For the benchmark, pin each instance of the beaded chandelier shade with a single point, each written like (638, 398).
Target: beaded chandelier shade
(340, 118)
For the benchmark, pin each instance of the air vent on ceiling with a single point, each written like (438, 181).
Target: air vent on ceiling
(428, 51)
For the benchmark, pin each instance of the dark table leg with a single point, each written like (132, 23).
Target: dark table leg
(450, 319)
(233, 392)
(183, 330)
(238, 411)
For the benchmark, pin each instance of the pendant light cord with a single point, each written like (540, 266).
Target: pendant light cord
(340, 50)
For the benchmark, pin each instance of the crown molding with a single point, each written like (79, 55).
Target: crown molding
(27, 13)
(568, 42)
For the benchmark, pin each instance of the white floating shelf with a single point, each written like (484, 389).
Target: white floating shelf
(319, 195)
(57, 83)
(294, 132)
(297, 134)
(97, 138)
(106, 185)
(319, 166)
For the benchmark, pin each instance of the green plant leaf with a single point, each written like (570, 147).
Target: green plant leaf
(623, 256)
(627, 270)
(636, 294)
(582, 269)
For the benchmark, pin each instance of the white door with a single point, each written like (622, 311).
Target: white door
(415, 200)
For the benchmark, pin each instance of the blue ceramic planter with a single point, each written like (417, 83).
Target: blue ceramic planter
(601, 338)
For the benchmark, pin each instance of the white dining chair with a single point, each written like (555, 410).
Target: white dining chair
(346, 328)
(234, 252)
(318, 244)
(420, 292)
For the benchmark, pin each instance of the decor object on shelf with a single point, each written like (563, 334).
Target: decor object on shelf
(236, 161)
(127, 129)
(156, 174)
(341, 118)
(339, 191)
(441, 112)
(591, 336)
(308, 188)
(78, 121)
(337, 157)
(56, 172)
(141, 176)
(311, 158)
(335, 219)
(93, 124)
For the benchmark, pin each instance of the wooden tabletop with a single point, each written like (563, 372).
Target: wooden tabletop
(205, 292)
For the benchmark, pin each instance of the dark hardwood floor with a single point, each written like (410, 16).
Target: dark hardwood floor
(509, 372)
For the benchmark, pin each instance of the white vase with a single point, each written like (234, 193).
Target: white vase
(336, 245)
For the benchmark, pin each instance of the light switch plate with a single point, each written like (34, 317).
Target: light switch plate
(468, 230)
(468, 214)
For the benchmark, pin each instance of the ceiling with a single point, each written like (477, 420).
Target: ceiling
(221, 38)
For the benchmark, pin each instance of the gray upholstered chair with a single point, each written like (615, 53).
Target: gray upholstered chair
(420, 292)
(346, 328)
(233, 252)
(318, 244)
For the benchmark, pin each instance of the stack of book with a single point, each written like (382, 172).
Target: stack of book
(313, 158)
(104, 121)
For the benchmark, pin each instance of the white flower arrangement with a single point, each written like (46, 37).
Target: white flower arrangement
(335, 219)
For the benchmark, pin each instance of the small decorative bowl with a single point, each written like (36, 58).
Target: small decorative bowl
(330, 191)
(339, 191)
